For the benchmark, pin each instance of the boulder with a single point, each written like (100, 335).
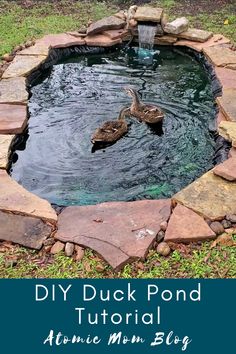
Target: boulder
(177, 26)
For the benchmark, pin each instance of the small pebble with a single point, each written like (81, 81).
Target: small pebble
(231, 218)
(163, 225)
(160, 236)
(79, 253)
(163, 249)
(7, 57)
(69, 249)
(49, 241)
(217, 227)
(100, 268)
(57, 247)
(226, 224)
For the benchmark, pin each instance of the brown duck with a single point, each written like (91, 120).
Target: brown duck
(147, 113)
(111, 131)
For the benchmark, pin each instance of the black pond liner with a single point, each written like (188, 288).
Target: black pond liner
(222, 146)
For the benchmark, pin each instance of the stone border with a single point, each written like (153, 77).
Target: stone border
(119, 232)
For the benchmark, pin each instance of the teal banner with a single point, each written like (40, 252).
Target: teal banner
(117, 316)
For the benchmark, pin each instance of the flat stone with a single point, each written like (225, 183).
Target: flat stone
(227, 104)
(195, 35)
(220, 118)
(228, 131)
(118, 231)
(198, 46)
(13, 91)
(177, 26)
(210, 196)
(23, 65)
(14, 198)
(187, 226)
(226, 169)
(107, 23)
(62, 40)
(165, 40)
(232, 152)
(23, 230)
(5, 146)
(101, 40)
(227, 77)
(116, 34)
(221, 56)
(37, 49)
(148, 14)
(13, 118)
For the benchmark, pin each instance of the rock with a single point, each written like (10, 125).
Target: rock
(37, 49)
(227, 77)
(199, 46)
(82, 30)
(133, 23)
(79, 253)
(5, 149)
(231, 218)
(13, 118)
(160, 236)
(57, 247)
(227, 104)
(7, 57)
(217, 227)
(125, 232)
(14, 198)
(101, 40)
(196, 35)
(163, 249)
(226, 224)
(228, 131)
(165, 40)
(227, 169)
(177, 26)
(164, 19)
(62, 40)
(232, 152)
(100, 268)
(49, 241)
(116, 34)
(23, 65)
(69, 249)
(121, 15)
(159, 30)
(210, 196)
(221, 56)
(107, 23)
(23, 230)
(187, 226)
(163, 225)
(13, 91)
(148, 14)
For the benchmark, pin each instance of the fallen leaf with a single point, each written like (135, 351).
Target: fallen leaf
(224, 240)
(226, 22)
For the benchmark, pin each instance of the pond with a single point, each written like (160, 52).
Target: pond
(56, 160)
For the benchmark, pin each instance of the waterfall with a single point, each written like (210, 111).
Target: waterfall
(146, 34)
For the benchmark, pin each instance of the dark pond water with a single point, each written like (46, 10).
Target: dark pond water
(56, 161)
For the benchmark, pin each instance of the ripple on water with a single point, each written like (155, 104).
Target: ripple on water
(80, 94)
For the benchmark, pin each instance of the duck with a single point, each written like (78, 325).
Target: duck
(111, 131)
(144, 112)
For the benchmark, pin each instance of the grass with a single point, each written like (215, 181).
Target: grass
(186, 261)
(19, 23)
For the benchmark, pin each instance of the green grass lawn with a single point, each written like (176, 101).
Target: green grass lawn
(21, 23)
